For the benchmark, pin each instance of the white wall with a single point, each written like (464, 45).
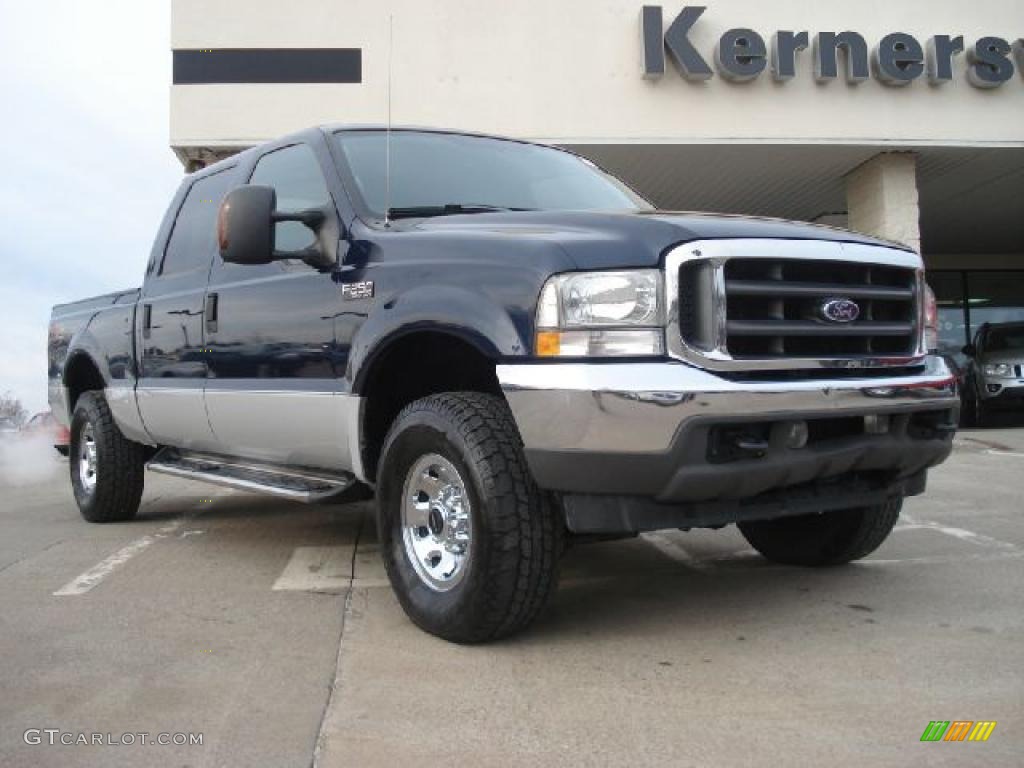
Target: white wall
(569, 71)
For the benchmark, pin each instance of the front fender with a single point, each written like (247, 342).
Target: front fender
(497, 331)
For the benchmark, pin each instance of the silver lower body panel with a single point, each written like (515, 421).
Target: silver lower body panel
(298, 428)
(125, 409)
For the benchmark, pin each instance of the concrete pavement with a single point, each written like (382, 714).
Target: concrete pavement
(268, 628)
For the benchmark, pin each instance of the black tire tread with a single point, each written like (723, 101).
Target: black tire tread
(876, 525)
(522, 574)
(856, 534)
(121, 476)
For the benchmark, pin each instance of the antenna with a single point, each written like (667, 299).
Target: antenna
(387, 141)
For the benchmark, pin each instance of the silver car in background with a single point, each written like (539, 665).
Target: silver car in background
(995, 378)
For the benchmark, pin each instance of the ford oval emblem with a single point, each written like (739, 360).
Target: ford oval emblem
(840, 310)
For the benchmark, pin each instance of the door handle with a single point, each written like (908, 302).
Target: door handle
(147, 320)
(210, 312)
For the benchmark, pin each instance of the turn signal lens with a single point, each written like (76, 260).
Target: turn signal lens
(549, 343)
(612, 343)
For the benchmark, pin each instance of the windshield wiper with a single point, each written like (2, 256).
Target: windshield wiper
(449, 209)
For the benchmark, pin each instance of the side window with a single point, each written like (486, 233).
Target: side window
(194, 237)
(295, 175)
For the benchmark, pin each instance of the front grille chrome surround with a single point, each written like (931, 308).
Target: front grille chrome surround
(698, 287)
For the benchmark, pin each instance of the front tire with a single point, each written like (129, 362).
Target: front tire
(106, 467)
(469, 542)
(827, 538)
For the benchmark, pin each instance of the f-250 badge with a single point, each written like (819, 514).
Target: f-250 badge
(361, 290)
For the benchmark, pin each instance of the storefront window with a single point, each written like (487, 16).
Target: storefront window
(995, 297)
(967, 299)
(949, 293)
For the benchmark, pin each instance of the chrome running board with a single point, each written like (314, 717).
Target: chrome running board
(286, 482)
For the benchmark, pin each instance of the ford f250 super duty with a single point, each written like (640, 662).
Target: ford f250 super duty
(507, 347)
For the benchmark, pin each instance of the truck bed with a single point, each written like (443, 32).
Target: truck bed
(100, 326)
(93, 303)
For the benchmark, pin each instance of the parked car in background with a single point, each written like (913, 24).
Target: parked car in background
(995, 374)
(45, 424)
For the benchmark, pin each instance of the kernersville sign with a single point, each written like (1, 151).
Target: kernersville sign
(897, 59)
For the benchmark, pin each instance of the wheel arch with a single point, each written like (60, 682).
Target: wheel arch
(81, 374)
(412, 364)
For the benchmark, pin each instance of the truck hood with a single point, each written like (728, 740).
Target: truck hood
(606, 240)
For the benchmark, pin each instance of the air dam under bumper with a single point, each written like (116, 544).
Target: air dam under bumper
(665, 431)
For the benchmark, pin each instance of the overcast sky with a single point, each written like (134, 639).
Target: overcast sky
(87, 170)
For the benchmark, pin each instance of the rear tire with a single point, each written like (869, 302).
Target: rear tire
(827, 538)
(469, 542)
(107, 469)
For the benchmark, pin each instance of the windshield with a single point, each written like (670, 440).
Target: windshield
(470, 174)
(1005, 339)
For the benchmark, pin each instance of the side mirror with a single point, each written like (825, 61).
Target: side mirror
(970, 350)
(245, 225)
(245, 229)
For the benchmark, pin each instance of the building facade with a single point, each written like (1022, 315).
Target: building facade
(903, 120)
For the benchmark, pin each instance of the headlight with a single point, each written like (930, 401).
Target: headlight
(601, 314)
(1002, 370)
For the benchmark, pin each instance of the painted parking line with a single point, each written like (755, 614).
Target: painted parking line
(90, 578)
(317, 569)
(943, 559)
(912, 524)
(738, 563)
(1013, 454)
(331, 570)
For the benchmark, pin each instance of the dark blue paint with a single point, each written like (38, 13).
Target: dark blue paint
(476, 277)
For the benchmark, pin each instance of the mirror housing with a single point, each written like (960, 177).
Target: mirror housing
(970, 350)
(245, 225)
(245, 229)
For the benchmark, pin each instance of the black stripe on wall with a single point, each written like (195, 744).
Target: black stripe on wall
(268, 65)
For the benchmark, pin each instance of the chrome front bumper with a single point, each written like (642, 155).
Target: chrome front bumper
(634, 428)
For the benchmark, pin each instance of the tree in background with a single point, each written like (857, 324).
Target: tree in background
(12, 410)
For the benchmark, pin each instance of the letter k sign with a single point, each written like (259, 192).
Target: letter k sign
(691, 64)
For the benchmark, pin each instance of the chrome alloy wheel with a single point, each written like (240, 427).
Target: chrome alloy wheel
(437, 527)
(87, 459)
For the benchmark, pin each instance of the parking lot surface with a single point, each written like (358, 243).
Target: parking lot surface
(268, 628)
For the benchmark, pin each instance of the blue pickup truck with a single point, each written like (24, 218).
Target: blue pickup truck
(509, 349)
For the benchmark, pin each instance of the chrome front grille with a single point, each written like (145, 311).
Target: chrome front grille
(775, 308)
(773, 304)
